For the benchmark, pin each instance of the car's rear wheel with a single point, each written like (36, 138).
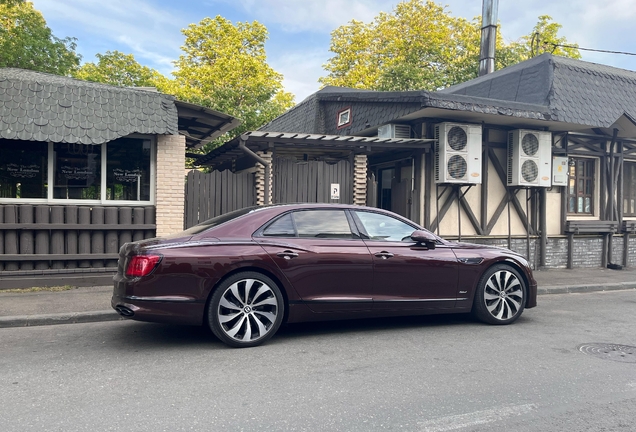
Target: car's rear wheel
(501, 295)
(246, 309)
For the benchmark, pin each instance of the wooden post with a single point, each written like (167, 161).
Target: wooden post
(1, 237)
(11, 236)
(42, 236)
(605, 250)
(84, 242)
(626, 249)
(570, 250)
(543, 227)
(138, 219)
(112, 240)
(97, 236)
(71, 235)
(125, 218)
(149, 218)
(26, 236)
(57, 236)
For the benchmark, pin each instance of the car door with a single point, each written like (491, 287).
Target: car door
(407, 275)
(322, 257)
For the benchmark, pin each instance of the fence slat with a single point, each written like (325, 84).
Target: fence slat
(71, 237)
(111, 239)
(84, 238)
(42, 237)
(57, 236)
(26, 236)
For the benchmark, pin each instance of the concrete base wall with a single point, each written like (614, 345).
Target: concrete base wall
(587, 250)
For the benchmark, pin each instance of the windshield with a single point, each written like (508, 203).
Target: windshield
(215, 221)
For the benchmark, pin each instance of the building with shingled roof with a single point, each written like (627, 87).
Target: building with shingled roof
(85, 167)
(539, 157)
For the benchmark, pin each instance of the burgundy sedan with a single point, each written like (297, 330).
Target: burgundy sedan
(246, 272)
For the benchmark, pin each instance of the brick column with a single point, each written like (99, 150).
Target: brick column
(170, 192)
(360, 180)
(260, 179)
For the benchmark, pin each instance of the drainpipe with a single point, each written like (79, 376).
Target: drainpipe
(263, 162)
(488, 36)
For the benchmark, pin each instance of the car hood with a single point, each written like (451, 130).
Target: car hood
(462, 245)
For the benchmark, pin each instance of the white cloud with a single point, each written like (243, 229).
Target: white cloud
(312, 15)
(301, 70)
(150, 32)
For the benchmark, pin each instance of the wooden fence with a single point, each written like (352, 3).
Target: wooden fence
(41, 238)
(212, 194)
(310, 181)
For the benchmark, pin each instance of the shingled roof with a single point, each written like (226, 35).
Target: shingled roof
(574, 91)
(37, 106)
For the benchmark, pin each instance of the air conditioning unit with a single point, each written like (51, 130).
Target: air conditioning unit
(529, 158)
(394, 131)
(457, 153)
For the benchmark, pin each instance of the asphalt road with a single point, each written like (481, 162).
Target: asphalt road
(433, 374)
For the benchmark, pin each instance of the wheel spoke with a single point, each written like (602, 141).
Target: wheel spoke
(229, 305)
(261, 327)
(270, 316)
(235, 291)
(489, 296)
(262, 290)
(248, 330)
(492, 286)
(492, 307)
(514, 302)
(249, 283)
(234, 330)
(225, 318)
(268, 301)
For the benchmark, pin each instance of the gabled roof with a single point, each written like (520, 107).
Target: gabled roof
(36, 106)
(575, 91)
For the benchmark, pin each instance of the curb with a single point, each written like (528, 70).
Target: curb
(111, 315)
(59, 318)
(574, 289)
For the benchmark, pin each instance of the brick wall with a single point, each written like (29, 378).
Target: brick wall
(170, 194)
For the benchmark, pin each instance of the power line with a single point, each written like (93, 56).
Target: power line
(595, 50)
(536, 42)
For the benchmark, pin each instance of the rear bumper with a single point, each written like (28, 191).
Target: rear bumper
(159, 310)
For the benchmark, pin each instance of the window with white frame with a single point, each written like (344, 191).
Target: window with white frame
(629, 188)
(581, 186)
(118, 171)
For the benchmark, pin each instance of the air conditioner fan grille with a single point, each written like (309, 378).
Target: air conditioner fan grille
(530, 144)
(529, 171)
(457, 167)
(457, 138)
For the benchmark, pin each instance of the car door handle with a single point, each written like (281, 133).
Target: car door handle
(384, 255)
(287, 254)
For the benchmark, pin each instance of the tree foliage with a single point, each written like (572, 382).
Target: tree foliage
(27, 42)
(119, 69)
(224, 67)
(421, 46)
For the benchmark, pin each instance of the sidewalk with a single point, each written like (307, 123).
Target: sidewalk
(92, 304)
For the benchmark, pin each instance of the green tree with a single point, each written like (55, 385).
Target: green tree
(224, 67)
(119, 69)
(545, 38)
(27, 42)
(420, 46)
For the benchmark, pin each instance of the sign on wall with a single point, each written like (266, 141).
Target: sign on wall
(335, 191)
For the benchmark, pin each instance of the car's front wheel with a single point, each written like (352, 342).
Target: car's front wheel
(500, 296)
(246, 309)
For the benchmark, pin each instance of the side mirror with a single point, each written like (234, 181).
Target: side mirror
(424, 237)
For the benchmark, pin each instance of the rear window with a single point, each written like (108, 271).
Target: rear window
(215, 221)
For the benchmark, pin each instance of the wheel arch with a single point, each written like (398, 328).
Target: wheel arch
(510, 263)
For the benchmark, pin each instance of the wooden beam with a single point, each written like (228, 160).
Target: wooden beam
(471, 216)
(442, 212)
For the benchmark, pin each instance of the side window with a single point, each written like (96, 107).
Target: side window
(281, 227)
(323, 224)
(384, 228)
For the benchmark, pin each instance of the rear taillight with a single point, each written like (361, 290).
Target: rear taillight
(142, 265)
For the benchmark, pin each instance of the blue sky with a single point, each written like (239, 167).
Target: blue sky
(300, 29)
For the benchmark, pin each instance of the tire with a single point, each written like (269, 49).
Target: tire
(501, 295)
(246, 309)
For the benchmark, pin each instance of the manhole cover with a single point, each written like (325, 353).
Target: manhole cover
(620, 353)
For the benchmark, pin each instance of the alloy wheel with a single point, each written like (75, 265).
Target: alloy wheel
(503, 295)
(247, 310)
